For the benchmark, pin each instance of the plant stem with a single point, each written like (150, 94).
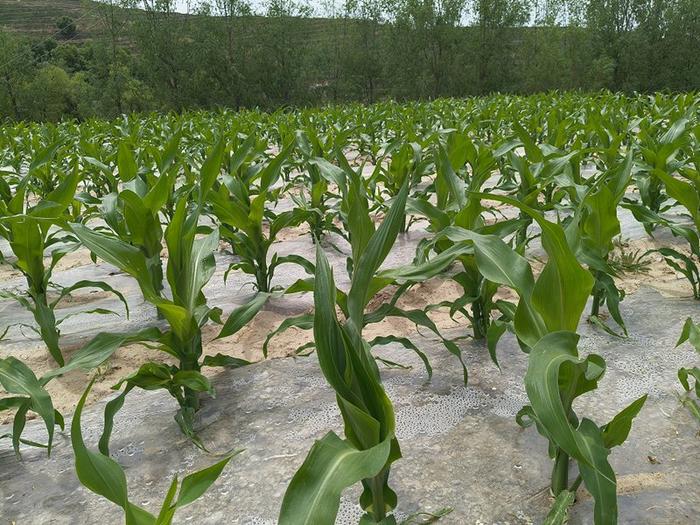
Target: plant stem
(576, 484)
(378, 507)
(479, 322)
(560, 472)
(46, 319)
(156, 272)
(191, 362)
(521, 236)
(597, 296)
(261, 276)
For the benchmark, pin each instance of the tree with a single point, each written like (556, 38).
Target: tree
(682, 46)
(495, 20)
(282, 46)
(66, 27)
(50, 95)
(223, 47)
(431, 27)
(363, 55)
(16, 63)
(163, 38)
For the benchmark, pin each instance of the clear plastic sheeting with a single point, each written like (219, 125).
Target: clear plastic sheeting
(461, 446)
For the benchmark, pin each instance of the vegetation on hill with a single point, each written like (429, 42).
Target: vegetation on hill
(78, 59)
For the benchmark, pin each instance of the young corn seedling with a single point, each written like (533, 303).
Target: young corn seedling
(456, 208)
(43, 174)
(102, 475)
(660, 162)
(530, 178)
(31, 231)
(545, 321)
(134, 213)
(406, 165)
(596, 223)
(685, 190)
(316, 201)
(238, 203)
(690, 333)
(360, 228)
(346, 361)
(191, 265)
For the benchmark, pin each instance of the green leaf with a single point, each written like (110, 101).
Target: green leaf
(100, 348)
(126, 163)
(378, 247)
(100, 474)
(559, 513)
(303, 322)
(615, 433)
(193, 380)
(242, 315)
(196, 484)
(17, 378)
(406, 343)
(225, 361)
(91, 284)
(111, 408)
(210, 170)
(691, 333)
(127, 258)
(313, 495)
(554, 367)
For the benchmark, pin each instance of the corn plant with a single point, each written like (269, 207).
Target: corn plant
(686, 376)
(531, 177)
(42, 173)
(105, 477)
(685, 190)
(456, 207)
(359, 228)
(407, 165)
(238, 203)
(349, 367)
(597, 224)
(191, 265)
(316, 202)
(134, 214)
(32, 231)
(545, 321)
(659, 154)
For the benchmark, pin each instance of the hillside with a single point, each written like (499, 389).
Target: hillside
(37, 18)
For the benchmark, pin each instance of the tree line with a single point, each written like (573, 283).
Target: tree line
(148, 56)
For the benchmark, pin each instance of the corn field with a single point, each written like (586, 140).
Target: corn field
(176, 234)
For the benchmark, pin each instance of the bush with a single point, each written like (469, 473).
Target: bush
(66, 27)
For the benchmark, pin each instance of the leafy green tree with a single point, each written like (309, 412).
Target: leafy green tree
(66, 28)
(495, 20)
(16, 63)
(50, 95)
(364, 54)
(432, 25)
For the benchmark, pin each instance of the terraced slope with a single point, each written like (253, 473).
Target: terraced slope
(38, 17)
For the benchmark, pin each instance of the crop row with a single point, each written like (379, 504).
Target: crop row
(155, 195)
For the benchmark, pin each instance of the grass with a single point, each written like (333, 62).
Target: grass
(624, 260)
